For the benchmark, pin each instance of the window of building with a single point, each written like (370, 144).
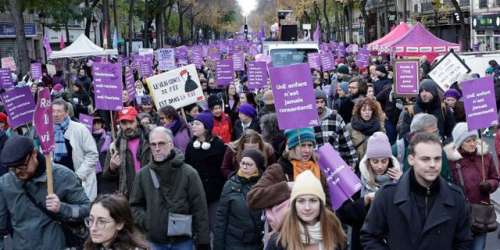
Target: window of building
(483, 3)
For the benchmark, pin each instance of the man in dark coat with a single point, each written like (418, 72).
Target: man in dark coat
(421, 211)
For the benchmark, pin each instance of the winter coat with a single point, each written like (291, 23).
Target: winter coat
(81, 101)
(230, 163)
(178, 189)
(104, 186)
(223, 128)
(393, 221)
(470, 166)
(387, 101)
(33, 229)
(459, 112)
(182, 139)
(84, 156)
(365, 176)
(207, 163)
(237, 227)
(238, 128)
(360, 140)
(274, 245)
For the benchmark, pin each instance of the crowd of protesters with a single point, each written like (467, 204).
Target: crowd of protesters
(218, 173)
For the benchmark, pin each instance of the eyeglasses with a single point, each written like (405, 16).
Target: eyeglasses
(22, 167)
(99, 223)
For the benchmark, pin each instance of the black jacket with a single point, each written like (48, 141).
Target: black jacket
(394, 219)
(238, 128)
(237, 227)
(208, 163)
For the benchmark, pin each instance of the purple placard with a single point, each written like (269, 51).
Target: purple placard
(224, 72)
(146, 68)
(197, 57)
(342, 181)
(166, 59)
(181, 53)
(406, 77)
(363, 58)
(42, 120)
(314, 61)
(108, 86)
(294, 96)
(129, 83)
(6, 79)
(87, 120)
(239, 62)
(327, 62)
(480, 103)
(341, 50)
(36, 71)
(257, 75)
(19, 105)
(213, 53)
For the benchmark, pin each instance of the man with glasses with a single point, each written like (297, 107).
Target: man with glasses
(25, 204)
(168, 199)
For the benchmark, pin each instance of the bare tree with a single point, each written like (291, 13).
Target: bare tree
(130, 24)
(325, 14)
(16, 11)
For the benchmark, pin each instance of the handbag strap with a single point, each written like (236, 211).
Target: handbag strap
(40, 207)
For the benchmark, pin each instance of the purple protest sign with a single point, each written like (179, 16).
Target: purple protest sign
(130, 83)
(197, 57)
(36, 71)
(239, 62)
(363, 58)
(213, 53)
(406, 76)
(146, 68)
(480, 103)
(19, 105)
(257, 75)
(86, 120)
(324, 47)
(108, 86)
(166, 59)
(181, 53)
(224, 72)
(204, 50)
(314, 61)
(6, 79)
(327, 62)
(342, 181)
(294, 96)
(43, 121)
(341, 50)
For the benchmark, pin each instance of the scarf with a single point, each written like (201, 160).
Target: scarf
(174, 126)
(240, 174)
(122, 184)
(313, 235)
(365, 127)
(301, 166)
(60, 144)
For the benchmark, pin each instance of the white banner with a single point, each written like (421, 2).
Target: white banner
(448, 70)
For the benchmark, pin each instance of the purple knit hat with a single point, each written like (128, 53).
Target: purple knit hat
(206, 118)
(452, 93)
(247, 110)
(378, 146)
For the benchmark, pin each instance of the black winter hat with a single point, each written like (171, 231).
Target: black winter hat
(381, 68)
(256, 156)
(214, 100)
(15, 150)
(429, 86)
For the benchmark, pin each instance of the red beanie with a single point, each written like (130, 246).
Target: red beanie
(4, 119)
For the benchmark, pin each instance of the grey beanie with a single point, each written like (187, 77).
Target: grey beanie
(461, 132)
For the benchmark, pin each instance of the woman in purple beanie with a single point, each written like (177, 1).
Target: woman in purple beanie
(452, 101)
(247, 120)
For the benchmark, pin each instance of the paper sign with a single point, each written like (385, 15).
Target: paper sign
(42, 120)
(327, 62)
(178, 88)
(257, 75)
(342, 181)
(224, 72)
(166, 59)
(36, 71)
(480, 103)
(314, 61)
(130, 83)
(19, 105)
(294, 97)
(108, 86)
(406, 77)
(6, 79)
(87, 120)
(9, 63)
(239, 62)
(448, 70)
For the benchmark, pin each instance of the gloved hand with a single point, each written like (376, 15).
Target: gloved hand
(203, 247)
(485, 187)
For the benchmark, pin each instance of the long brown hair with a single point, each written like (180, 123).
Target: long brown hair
(127, 238)
(249, 136)
(331, 230)
(374, 106)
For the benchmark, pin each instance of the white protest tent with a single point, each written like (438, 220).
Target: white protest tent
(82, 47)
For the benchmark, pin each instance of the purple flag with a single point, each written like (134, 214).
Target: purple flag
(257, 75)
(130, 83)
(108, 86)
(239, 62)
(327, 62)
(406, 77)
(224, 72)
(19, 105)
(36, 71)
(43, 121)
(6, 79)
(317, 33)
(314, 61)
(342, 181)
(480, 103)
(294, 96)
(46, 45)
(87, 120)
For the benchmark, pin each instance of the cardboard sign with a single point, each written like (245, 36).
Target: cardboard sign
(314, 61)
(42, 120)
(480, 103)
(178, 88)
(239, 62)
(6, 79)
(327, 62)
(108, 86)
(166, 59)
(294, 97)
(406, 76)
(448, 70)
(19, 105)
(257, 75)
(224, 73)
(130, 83)
(36, 71)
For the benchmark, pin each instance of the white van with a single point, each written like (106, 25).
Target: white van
(285, 53)
(477, 61)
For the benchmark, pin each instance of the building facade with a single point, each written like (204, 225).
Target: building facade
(486, 24)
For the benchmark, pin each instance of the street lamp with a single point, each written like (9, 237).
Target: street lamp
(94, 23)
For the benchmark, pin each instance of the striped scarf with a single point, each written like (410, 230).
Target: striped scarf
(60, 144)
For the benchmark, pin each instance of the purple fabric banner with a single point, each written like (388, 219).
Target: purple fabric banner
(224, 72)
(19, 105)
(36, 71)
(130, 83)
(87, 120)
(42, 120)
(314, 61)
(327, 62)
(6, 79)
(108, 86)
(257, 75)
(294, 96)
(406, 77)
(239, 62)
(342, 181)
(480, 103)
